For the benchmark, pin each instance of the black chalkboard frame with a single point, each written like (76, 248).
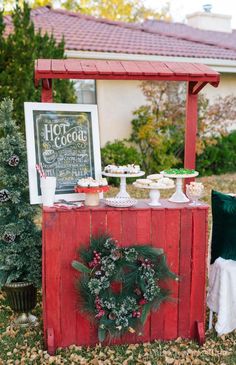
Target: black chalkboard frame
(64, 138)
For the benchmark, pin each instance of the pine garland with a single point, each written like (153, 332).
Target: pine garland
(119, 286)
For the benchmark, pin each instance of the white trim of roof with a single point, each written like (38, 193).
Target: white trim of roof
(220, 65)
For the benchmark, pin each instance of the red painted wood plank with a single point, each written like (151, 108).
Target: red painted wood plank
(103, 67)
(114, 224)
(98, 222)
(143, 227)
(198, 275)
(117, 68)
(143, 232)
(131, 68)
(89, 67)
(178, 68)
(206, 70)
(129, 221)
(68, 297)
(44, 66)
(82, 238)
(98, 227)
(46, 95)
(146, 68)
(128, 238)
(161, 68)
(185, 273)
(158, 222)
(172, 254)
(73, 66)
(45, 233)
(58, 66)
(190, 131)
(194, 70)
(52, 274)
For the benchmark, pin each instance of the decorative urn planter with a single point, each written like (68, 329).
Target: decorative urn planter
(22, 298)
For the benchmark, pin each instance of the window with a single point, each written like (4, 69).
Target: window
(86, 91)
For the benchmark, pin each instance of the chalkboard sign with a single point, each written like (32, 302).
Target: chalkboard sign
(64, 139)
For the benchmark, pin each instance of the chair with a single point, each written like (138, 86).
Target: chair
(221, 297)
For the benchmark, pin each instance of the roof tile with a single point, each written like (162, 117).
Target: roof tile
(87, 33)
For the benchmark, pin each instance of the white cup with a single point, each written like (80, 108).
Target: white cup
(48, 188)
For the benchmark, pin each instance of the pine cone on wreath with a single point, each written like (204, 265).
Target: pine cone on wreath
(13, 161)
(4, 195)
(9, 237)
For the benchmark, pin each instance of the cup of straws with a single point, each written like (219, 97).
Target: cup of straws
(48, 187)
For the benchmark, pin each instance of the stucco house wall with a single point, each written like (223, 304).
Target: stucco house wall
(117, 100)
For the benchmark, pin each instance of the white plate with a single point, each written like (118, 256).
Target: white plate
(140, 173)
(162, 187)
(120, 202)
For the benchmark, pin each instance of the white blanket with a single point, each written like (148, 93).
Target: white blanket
(221, 296)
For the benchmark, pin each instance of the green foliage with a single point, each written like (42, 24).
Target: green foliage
(119, 153)
(122, 10)
(220, 157)
(159, 126)
(20, 240)
(18, 53)
(137, 270)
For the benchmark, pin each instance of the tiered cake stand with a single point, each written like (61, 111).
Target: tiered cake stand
(91, 194)
(123, 193)
(179, 196)
(154, 193)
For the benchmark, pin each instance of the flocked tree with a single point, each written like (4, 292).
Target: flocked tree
(20, 240)
(18, 52)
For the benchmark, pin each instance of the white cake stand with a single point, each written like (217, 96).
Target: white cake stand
(154, 193)
(123, 193)
(179, 196)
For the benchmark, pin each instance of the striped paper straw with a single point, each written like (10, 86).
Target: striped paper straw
(42, 170)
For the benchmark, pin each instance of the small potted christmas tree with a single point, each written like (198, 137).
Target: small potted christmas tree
(20, 239)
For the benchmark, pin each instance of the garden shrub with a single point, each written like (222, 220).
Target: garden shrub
(219, 158)
(119, 153)
(159, 126)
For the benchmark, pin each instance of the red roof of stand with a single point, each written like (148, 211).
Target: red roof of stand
(197, 76)
(124, 70)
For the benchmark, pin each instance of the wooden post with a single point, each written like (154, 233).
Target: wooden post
(46, 96)
(190, 130)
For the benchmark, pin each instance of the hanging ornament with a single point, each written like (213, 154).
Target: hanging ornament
(9, 237)
(4, 195)
(13, 161)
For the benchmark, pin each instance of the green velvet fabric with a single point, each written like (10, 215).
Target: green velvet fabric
(224, 226)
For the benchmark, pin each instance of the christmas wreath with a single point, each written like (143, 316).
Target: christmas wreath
(120, 285)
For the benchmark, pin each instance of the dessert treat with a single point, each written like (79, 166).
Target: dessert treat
(124, 169)
(143, 182)
(89, 182)
(162, 183)
(155, 176)
(154, 187)
(195, 188)
(194, 191)
(180, 171)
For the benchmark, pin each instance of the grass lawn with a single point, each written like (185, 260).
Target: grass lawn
(25, 346)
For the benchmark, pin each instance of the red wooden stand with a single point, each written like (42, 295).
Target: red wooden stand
(177, 228)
